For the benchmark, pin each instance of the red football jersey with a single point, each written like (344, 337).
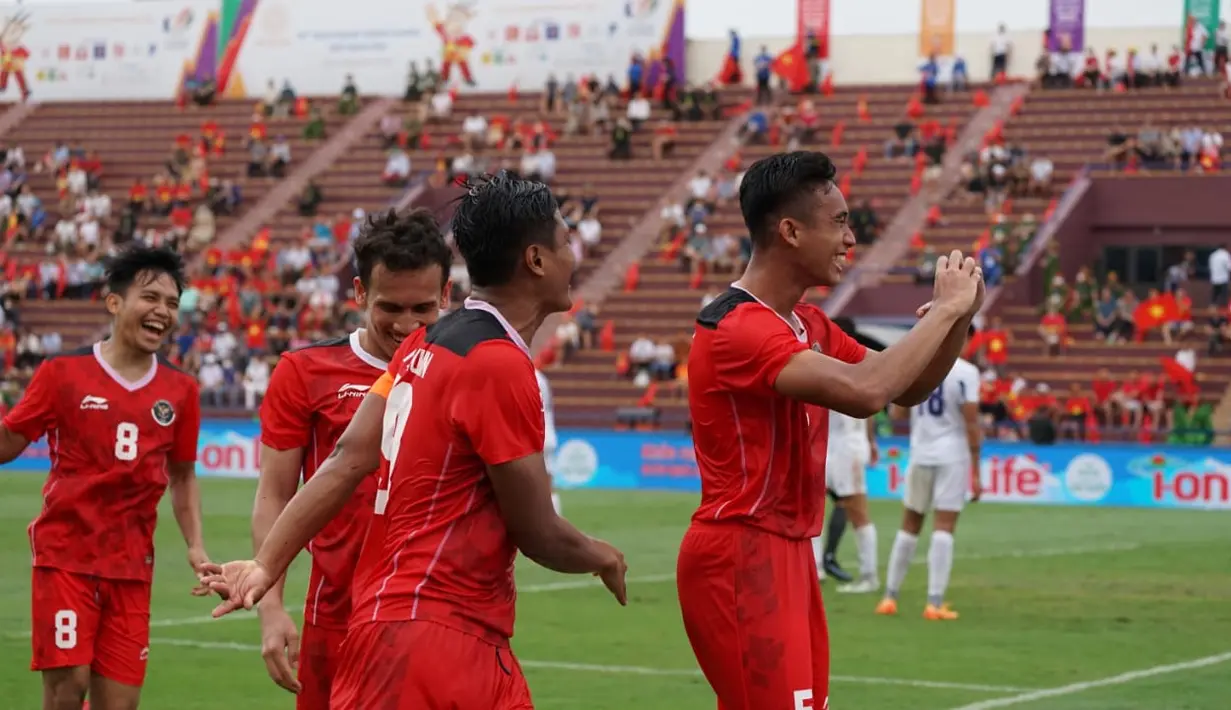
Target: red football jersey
(110, 442)
(313, 394)
(464, 397)
(754, 446)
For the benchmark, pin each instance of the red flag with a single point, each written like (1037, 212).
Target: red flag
(792, 66)
(1184, 379)
(730, 74)
(1153, 312)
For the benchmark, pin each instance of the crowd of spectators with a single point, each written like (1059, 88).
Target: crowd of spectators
(1176, 145)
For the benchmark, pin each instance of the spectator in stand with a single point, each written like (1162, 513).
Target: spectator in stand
(212, 382)
(1179, 328)
(621, 140)
(1041, 171)
(590, 230)
(568, 339)
(587, 325)
(1053, 329)
(414, 88)
(640, 355)
(903, 144)
(258, 154)
(1217, 330)
(310, 199)
(929, 77)
(279, 157)
(763, 64)
(314, 128)
(662, 145)
(547, 164)
(1222, 40)
(348, 102)
(256, 380)
(1219, 266)
(441, 103)
(1198, 35)
(1076, 409)
(1106, 317)
(637, 79)
(1120, 145)
(397, 168)
(864, 222)
(203, 91)
(474, 132)
(1001, 51)
(550, 98)
(1179, 273)
(638, 111)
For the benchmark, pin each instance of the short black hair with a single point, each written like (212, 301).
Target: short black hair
(497, 219)
(774, 187)
(402, 242)
(132, 262)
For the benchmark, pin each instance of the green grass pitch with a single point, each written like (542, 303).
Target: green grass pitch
(1062, 609)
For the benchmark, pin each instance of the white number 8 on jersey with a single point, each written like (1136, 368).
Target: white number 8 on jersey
(126, 434)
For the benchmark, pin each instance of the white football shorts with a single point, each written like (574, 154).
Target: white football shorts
(845, 474)
(937, 487)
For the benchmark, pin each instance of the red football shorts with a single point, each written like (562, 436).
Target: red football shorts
(753, 613)
(320, 649)
(80, 620)
(422, 665)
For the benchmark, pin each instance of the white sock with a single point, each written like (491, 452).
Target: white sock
(555, 503)
(818, 551)
(940, 564)
(899, 562)
(865, 546)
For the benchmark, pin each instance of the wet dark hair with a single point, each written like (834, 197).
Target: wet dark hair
(142, 263)
(401, 242)
(779, 186)
(497, 219)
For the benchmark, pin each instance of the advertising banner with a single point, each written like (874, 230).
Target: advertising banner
(483, 46)
(813, 16)
(99, 50)
(1067, 20)
(1204, 13)
(936, 27)
(1063, 474)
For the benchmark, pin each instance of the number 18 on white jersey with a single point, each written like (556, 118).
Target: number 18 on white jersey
(937, 427)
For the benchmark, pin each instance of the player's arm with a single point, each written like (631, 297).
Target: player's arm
(356, 456)
(895, 375)
(871, 431)
(33, 415)
(182, 481)
(938, 367)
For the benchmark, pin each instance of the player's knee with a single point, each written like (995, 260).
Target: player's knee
(857, 510)
(946, 521)
(912, 522)
(65, 690)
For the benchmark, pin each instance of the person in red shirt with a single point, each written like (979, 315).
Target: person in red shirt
(401, 284)
(123, 422)
(1077, 409)
(465, 487)
(758, 357)
(1053, 329)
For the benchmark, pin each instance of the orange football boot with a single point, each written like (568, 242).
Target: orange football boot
(887, 607)
(939, 613)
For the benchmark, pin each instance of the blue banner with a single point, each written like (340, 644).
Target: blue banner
(1064, 474)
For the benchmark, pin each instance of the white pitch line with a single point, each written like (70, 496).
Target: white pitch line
(629, 670)
(588, 583)
(1082, 687)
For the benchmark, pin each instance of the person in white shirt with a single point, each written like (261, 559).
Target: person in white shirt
(638, 111)
(699, 186)
(1220, 274)
(474, 131)
(1198, 35)
(547, 165)
(256, 381)
(851, 449)
(98, 205)
(442, 104)
(550, 442)
(66, 232)
(77, 182)
(211, 379)
(591, 232)
(641, 353)
(945, 443)
(225, 343)
(1001, 46)
(397, 167)
(1149, 68)
(89, 230)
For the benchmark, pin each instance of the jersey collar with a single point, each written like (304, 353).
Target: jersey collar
(367, 357)
(797, 328)
(477, 305)
(118, 378)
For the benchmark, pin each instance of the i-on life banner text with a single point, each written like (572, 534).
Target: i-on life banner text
(1064, 474)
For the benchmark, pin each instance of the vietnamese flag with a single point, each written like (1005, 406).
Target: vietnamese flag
(792, 66)
(1077, 406)
(1155, 311)
(996, 346)
(256, 335)
(1184, 379)
(730, 74)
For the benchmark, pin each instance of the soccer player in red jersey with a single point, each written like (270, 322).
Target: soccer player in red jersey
(122, 425)
(401, 283)
(467, 485)
(746, 577)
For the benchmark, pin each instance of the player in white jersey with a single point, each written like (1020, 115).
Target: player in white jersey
(549, 425)
(852, 448)
(945, 439)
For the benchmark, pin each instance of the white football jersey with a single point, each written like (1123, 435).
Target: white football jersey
(937, 427)
(848, 436)
(549, 415)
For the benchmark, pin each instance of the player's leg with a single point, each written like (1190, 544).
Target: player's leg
(918, 500)
(411, 665)
(827, 555)
(819, 631)
(122, 647)
(849, 483)
(64, 619)
(319, 653)
(952, 483)
(745, 598)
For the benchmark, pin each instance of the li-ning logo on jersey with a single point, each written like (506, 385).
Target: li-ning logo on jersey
(91, 402)
(353, 391)
(163, 412)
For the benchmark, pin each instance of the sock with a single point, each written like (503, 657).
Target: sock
(555, 503)
(899, 562)
(833, 534)
(865, 544)
(817, 551)
(940, 564)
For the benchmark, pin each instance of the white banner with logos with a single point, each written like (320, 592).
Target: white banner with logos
(73, 52)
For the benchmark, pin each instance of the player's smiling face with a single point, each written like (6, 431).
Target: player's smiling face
(399, 302)
(147, 312)
(824, 244)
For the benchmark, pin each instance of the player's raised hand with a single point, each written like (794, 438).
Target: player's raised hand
(957, 285)
(613, 571)
(280, 646)
(241, 584)
(198, 559)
